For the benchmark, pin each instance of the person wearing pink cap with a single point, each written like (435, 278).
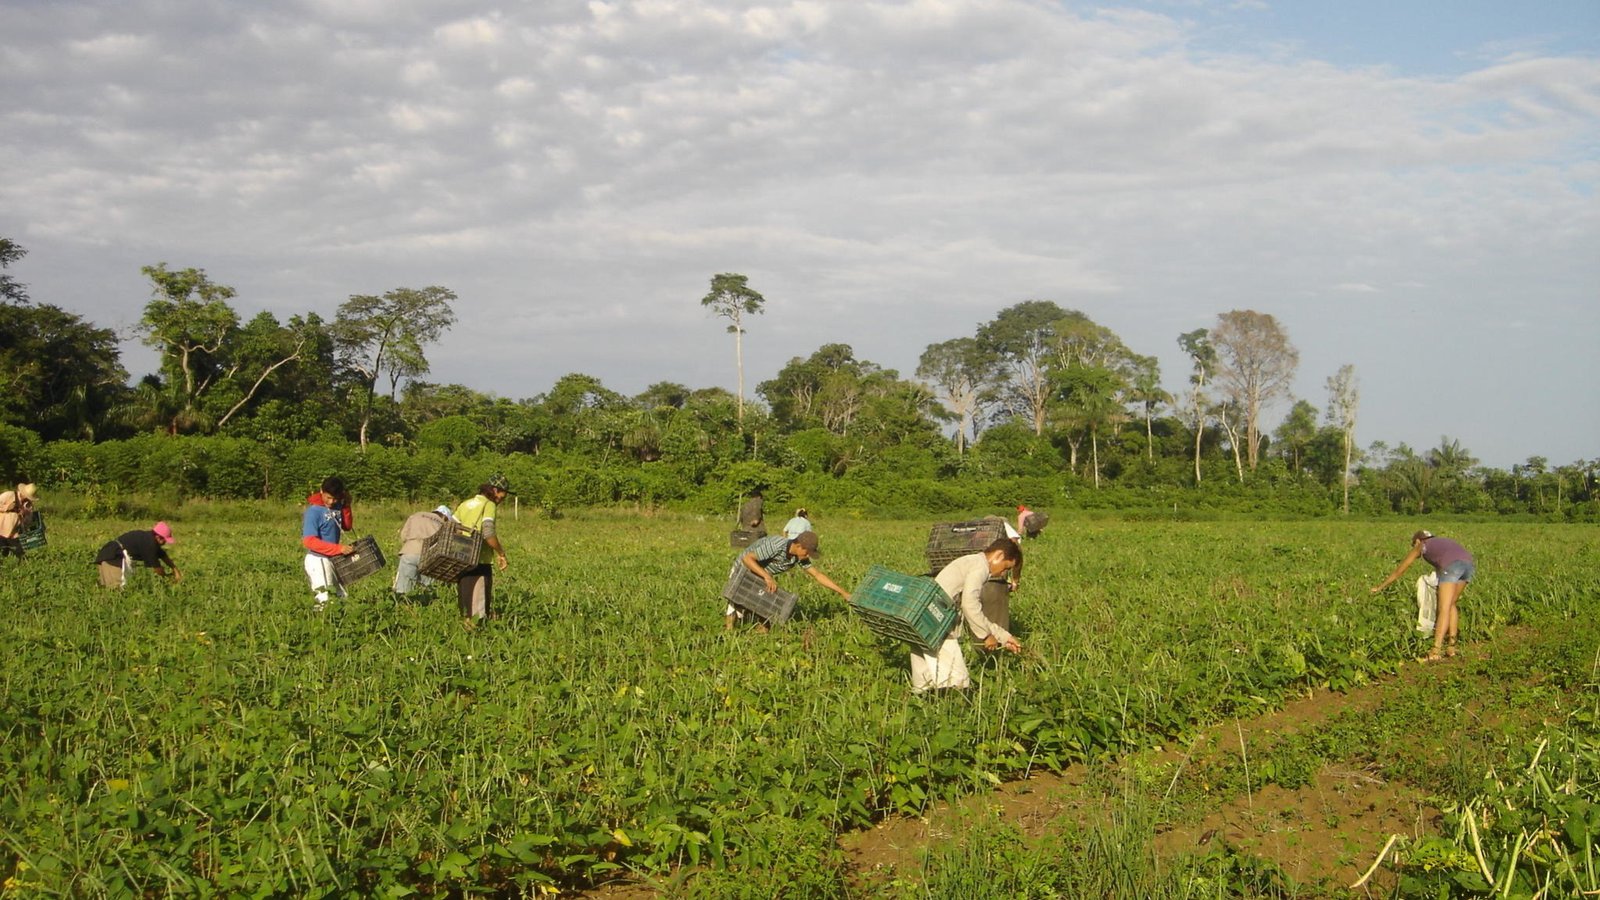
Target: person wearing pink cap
(148, 546)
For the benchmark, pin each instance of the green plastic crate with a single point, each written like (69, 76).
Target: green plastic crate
(908, 608)
(34, 538)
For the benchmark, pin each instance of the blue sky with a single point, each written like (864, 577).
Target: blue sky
(1407, 187)
(1405, 36)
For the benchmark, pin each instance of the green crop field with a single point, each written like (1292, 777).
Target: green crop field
(218, 737)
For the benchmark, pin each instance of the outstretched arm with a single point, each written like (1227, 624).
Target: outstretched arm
(827, 582)
(1413, 556)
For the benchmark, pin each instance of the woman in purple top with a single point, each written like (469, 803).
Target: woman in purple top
(1455, 567)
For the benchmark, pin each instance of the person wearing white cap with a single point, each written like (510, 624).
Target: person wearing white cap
(414, 533)
(148, 546)
(16, 510)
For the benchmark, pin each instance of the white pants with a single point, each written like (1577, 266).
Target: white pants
(320, 570)
(944, 669)
(1427, 602)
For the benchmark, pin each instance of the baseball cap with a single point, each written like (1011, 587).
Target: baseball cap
(500, 482)
(164, 531)
(442, 510)
(808, 540)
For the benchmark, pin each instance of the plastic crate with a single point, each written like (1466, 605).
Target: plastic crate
(744, 537)
(746, 590)
(949, 541)
(908, 608)
(34, 537)
(451, 550)
(365, 559)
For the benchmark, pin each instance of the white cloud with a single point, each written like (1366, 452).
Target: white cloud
(911, 167)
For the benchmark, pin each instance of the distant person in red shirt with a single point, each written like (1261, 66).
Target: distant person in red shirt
(327, 518)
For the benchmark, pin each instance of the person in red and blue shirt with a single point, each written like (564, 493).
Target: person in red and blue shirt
(327, 517)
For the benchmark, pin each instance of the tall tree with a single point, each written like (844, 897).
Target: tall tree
(59, 375)
(1022, 337)
(1296, 431)
(1202, 363)
(1087, 398)
(378, 337)
(1257, 366)
(1344, 399)
(1144, 389)
(189, 320)
(958, 370)
(732, 298)
(11, 290)
(795, 394)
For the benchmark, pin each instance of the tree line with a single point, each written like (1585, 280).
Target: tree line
(1038, 403)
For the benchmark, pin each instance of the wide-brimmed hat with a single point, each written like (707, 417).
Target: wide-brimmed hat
(27, 491)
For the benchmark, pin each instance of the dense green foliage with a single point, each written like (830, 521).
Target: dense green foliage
(1037, 395)
(218, 736)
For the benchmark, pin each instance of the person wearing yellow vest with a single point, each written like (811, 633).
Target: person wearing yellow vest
(475, 589)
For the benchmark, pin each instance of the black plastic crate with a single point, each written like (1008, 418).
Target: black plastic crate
(746, 590)
(451, 550)
(949, 541)
(744, 537)
(365, 559)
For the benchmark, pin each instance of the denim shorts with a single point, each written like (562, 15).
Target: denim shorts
(1460, 570)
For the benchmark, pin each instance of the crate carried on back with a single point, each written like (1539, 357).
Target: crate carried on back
(909, 608)
(451, 550)
(362, 561)
(34, 537)
(949, 541)
(748, 591)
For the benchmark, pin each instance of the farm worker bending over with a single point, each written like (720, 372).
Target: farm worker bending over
(963, 580)
(751, 515)
(776, 554)
(418, 528)
(475, 590)
(798, 525)
(116, 558)
(1030, 523)
(1455, 567)
(328, 516)
(16, 511)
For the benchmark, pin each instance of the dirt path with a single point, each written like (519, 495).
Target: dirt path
(1327, 831)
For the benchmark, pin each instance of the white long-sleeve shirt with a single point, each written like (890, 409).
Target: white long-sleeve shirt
(963, 581)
